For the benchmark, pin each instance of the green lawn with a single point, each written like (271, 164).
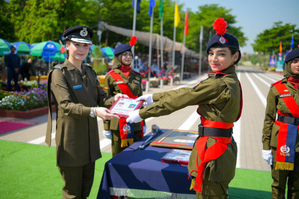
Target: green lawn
(30, 172)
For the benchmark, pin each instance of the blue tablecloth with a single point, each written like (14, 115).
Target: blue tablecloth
(133, 173)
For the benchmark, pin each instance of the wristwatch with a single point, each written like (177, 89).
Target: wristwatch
(93, 112)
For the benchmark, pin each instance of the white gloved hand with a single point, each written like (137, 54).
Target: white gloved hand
(107, 134)
(144, 129)
(267, 155)
(134, 117)
(148, 98)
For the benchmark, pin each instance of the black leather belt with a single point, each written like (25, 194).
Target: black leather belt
(290, 120)
(214, 132)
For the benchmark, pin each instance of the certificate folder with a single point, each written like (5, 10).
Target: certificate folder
(176, 139)
(124, 106)
(177, 156)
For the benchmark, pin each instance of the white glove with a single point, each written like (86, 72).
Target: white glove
(144, 129)
(107, 134)
(267, 155)
(134, 117)
(148, 98)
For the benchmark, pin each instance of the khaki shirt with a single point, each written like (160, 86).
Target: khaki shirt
(74, 93)
(133, 81)
(218, 98)
(274, 103)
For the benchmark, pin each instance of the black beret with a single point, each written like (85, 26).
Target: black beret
(122, 48)
(80, 34)
(292, 55)
(226, 40)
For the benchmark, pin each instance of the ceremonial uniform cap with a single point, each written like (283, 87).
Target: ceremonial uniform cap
(80, 34)
(292, 55)
(223, 39)
(125, 47)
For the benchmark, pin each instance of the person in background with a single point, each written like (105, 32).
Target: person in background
(12, 62)
(280, 133)
(212, 161)
(25, 68)
(122, 79)
(77, 94)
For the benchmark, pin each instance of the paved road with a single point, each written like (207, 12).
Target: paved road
(247, 131)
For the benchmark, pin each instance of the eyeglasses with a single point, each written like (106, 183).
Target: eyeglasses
(127, 54)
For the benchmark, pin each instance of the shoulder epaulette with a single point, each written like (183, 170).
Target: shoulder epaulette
(111, 71)
(276, 82)
(85, 64)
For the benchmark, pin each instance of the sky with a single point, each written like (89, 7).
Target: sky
(254, 16)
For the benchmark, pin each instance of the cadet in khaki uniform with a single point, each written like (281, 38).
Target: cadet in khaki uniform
(213, 159)
(280, 134)
(76, 97)
(122, 79)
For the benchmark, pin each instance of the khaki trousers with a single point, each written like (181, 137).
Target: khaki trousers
(78, 181)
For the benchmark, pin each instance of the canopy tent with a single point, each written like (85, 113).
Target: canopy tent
(144, 38)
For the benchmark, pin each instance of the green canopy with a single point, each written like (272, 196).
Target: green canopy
(4, 47)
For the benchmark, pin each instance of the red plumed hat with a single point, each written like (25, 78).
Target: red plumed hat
(220, 26)
(133, 41)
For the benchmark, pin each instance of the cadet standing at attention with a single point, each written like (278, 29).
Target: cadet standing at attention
(74, 87)
(219, 98)
(122, 79)
(280, 140)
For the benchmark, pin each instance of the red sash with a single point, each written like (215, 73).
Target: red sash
(287, 134)
(126, 129)
(213, 152)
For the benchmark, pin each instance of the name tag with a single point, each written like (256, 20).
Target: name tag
(285, 95)
(120, 82)
(77, 87)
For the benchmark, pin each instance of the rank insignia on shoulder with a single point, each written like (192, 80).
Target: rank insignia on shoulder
(136, 82)
(58, 67)
(138, 78)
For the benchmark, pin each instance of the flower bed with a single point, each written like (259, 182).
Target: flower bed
(17, 105)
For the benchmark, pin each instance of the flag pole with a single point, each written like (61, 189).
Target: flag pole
(134, 28)
(200, 48)
(161, 43)
(150, 44)
(174, 34)
(184, 48)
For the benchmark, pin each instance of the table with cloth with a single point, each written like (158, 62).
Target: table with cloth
(141, 174)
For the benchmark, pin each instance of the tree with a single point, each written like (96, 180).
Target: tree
(206, 16)
(269, 40)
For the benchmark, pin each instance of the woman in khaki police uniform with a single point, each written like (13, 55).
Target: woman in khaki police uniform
(74, 87)
(213, 159)
(122, 79)
(280, 135)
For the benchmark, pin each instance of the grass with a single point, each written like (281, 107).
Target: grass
(30, 171)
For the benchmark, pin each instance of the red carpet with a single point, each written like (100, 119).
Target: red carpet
(7, 125)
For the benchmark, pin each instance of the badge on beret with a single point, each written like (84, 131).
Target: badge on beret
(84, 32)
(222, 40)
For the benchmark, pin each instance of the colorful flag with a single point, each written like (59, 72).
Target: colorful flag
(186, 23)
(161, 9)
(292, 42)
(176, 16)
(150, 8)
(138, 5)
(280, 47)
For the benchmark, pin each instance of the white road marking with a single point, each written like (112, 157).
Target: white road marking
(268, 84)
(237, 133)
(190, 121)
(258, 92)
(41, 139)
(273, 80)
